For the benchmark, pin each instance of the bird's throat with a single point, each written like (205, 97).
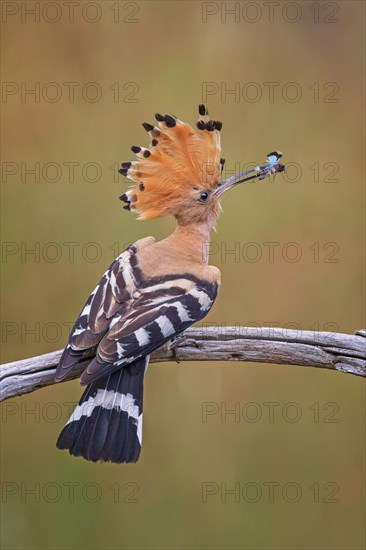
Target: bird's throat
(193, 240)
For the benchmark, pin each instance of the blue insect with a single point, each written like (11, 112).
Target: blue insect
(272, 166)
(273, 158)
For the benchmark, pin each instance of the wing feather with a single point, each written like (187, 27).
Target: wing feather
(110, 296)
(127, 316)
(145, 330)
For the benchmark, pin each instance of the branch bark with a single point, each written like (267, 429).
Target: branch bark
(329, 350)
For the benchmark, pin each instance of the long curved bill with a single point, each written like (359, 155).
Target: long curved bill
(272, 166)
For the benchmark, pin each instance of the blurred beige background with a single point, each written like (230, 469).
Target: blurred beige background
(97, 70)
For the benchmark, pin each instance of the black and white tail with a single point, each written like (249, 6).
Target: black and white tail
(107, 423)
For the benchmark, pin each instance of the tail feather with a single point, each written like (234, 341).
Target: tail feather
(113, 444)
(70, 435)
(100, 421)
(107, 423)
(131, 447)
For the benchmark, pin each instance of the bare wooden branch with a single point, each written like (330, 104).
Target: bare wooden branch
(340, 352)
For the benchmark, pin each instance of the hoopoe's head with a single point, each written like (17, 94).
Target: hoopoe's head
(179, 172)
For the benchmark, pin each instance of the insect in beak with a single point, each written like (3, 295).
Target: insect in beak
(272, 166)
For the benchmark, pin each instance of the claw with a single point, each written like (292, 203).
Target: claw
(174, 344)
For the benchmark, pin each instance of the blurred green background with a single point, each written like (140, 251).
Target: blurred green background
(124, 61)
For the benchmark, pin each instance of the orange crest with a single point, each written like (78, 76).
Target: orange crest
(177, 160)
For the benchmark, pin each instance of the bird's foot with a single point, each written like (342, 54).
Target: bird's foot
(174, 344)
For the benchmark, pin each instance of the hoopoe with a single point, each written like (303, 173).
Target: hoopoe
(154, 290)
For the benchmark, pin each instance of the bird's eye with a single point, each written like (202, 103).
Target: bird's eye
(203, 196)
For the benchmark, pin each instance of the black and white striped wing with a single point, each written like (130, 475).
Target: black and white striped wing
(159, 312)
(112, 295)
